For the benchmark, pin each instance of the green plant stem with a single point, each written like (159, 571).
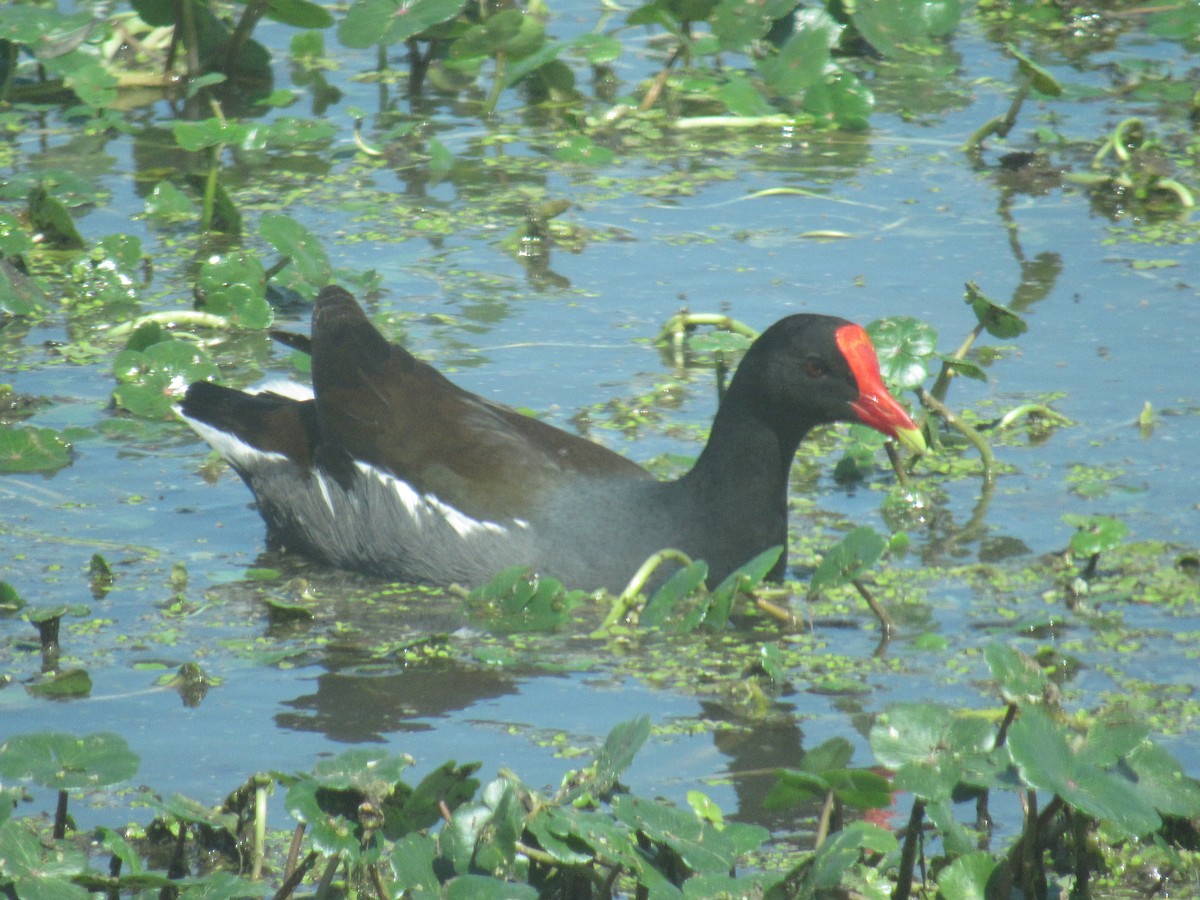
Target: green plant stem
(980, 443)
(331, 867)
(1001, 125)
(824, 819)
(296, 875)
(1028, 409)
(210, 188)
(738, 122)
(908, 853)
(497, 85)
(171, 318)
(191, 38)
(624, 604)
(885, 621)
(942, 384)
(60, 817)
(250, 17)
(260, 831)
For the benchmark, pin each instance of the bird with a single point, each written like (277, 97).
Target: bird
(388, 468)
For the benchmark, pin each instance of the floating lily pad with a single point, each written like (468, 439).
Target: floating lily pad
(29, 449)
(154, 379)
(65, 762)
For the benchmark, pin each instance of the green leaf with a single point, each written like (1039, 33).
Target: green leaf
(801, 61)
(385, 22)
(1021, 679)
(33, 871)
(620, 747)
(742, 97)
(28, 449)
(841, 99)
(743, 579)
(49, 217)
(168, 202)
(299, 13)
(929, 747)
(895, 26)
(905, 347)
(66, 762)
(580, 148)
(301, 246)
(212, 132)
(1095, 534)
(966, 878)
(447, 786)
(849, 558)
(153, 380)
(412, 862)
(998, 320)
(1163, 783)
(682, 583)
(63, 683)
(738, 23)
(835, 753)
(1043, 81)
(1046, 760)
(20, 295)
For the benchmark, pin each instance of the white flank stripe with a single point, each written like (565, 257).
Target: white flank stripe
(422, 506)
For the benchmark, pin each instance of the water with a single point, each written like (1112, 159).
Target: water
(920, 220)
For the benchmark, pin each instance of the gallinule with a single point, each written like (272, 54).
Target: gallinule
(393, 470)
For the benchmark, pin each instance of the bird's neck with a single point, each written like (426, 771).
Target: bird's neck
(745, 462)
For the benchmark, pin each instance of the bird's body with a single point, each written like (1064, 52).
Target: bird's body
(392, 470)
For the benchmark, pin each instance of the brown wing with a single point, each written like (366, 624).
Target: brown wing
(379, 403)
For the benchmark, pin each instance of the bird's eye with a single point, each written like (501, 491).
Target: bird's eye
(814, 368)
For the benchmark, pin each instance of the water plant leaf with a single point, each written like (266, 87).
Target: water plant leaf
(848, 559)
(738, 23)
(579, 148)
(1162, 782)
(64, 683)
(29, 449)
(894, 26)
(701, 847)
(966, 878)
(480, 887)
(20, 295)
(66, 762)
(1021, 679)
(1043, 82)
(299, 13)
(620, 747)
(743, 579)
(14, 238)
(905, 347)
(682, 583)
(303, 249)
(929, 747)
(802, 59)
(168, 202)
(412, 861)
(1046, 759)
(50, 218)
(33, 871)
(369, 23)
(998, 320)
(1095, 534)
(211, 132)
(843, 849)
(154, 379)
(841, 99)
(448, 786)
